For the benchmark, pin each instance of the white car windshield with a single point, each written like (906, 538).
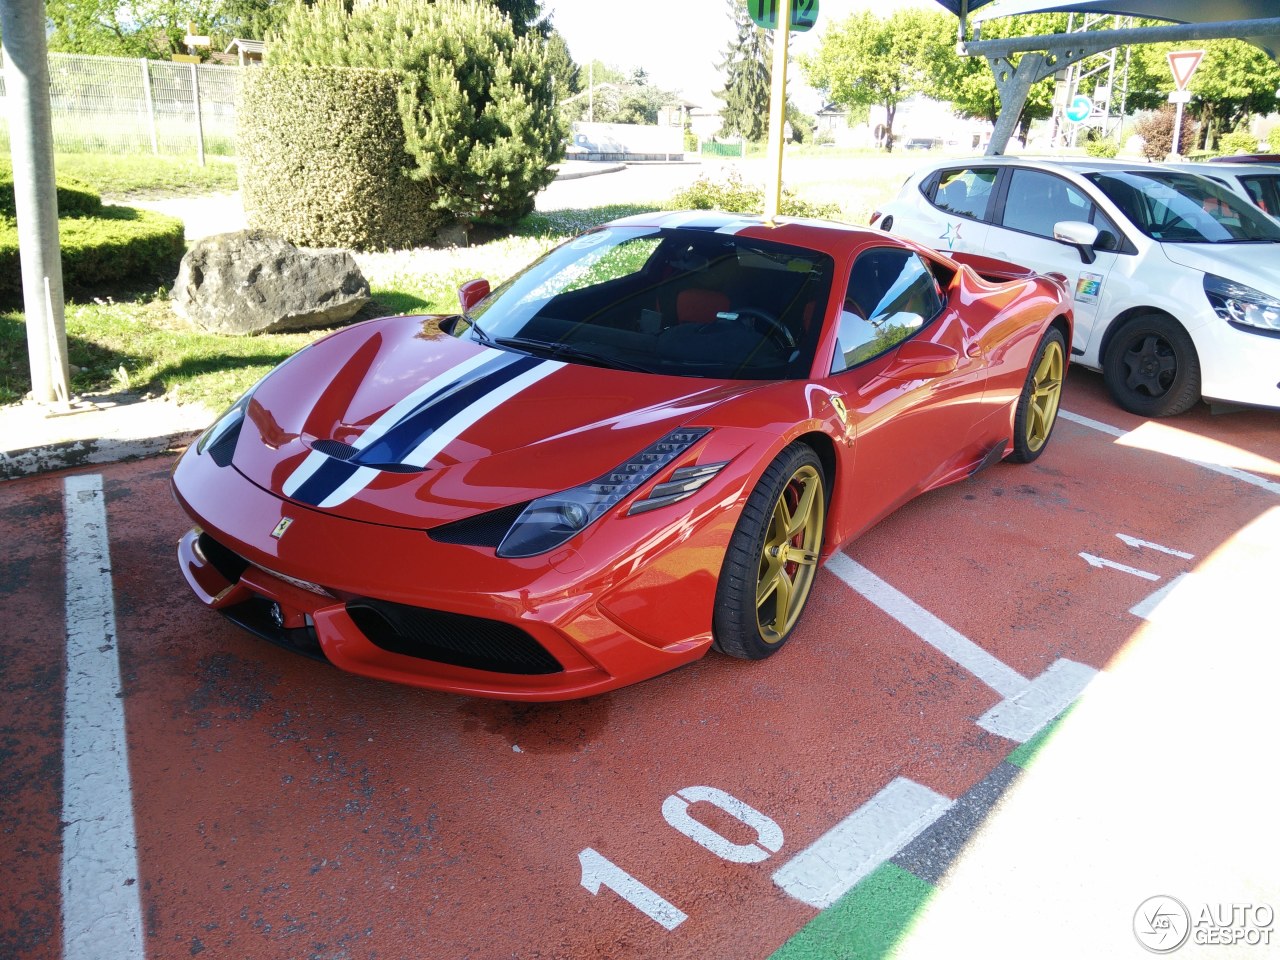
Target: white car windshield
(1184, 208)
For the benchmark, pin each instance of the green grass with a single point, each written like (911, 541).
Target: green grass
(145, 175)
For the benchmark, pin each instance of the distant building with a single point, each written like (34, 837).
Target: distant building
(244, 52)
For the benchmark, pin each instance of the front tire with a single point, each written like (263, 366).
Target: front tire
(1041, 396)
(772, 559)
(1151, 367)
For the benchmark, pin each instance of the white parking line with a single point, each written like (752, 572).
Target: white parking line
(1235, 473)
(994, 673)
(1027, 705)
(832, 865)
(101, 910)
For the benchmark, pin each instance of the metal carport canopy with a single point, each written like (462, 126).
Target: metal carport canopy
(1188, 20)
(1180, 11)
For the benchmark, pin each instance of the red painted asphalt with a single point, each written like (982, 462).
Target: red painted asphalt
(287, 810)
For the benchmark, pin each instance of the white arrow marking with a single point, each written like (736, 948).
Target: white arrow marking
(1139, 544)
(1093, 561)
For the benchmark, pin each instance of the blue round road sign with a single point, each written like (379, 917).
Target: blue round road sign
(1080, 110)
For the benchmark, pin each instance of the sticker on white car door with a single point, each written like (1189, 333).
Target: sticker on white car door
(1088, 286)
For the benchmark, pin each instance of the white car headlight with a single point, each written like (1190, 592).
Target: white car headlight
(1242, 305)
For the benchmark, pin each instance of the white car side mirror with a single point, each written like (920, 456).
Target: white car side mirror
(1078, 234)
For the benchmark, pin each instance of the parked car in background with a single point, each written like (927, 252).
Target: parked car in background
(1250, 158)
(1258, 183)
(1175, 278)
(642, 446)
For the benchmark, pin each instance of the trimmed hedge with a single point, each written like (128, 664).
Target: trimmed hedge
(100, 244)
(75, 199)
(323, 160)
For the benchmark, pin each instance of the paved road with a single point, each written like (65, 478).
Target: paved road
(282, 809)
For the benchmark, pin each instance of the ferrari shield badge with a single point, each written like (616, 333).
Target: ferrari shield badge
(282, 527)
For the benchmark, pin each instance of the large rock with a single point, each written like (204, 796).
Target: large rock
(252, 282)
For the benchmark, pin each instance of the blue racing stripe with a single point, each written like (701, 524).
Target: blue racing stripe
(331, 475)
(416, 426)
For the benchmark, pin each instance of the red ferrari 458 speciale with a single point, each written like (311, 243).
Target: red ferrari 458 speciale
(640, 447)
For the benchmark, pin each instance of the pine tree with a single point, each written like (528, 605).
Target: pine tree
(477, 101)
(746, 66)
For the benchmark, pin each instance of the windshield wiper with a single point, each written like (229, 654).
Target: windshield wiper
(569, 351)
(475, 328)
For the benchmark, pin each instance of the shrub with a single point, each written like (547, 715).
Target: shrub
(99, 243)
(1104, 149)
(477, 103)
(733, 195)
(323, 160)
(1156, 130)
(1238, 141)
(75, 199)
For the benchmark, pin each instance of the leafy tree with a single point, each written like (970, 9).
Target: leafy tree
(618, 97)
(134, 28)
(476, 101)
(747, 70)
(967, 83)
(872, 61)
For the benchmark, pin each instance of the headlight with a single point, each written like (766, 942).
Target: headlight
(551, 520)
(219, 441)
(1242, 305)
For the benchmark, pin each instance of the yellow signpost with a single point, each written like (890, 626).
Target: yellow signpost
(777, 112)
(798, 15)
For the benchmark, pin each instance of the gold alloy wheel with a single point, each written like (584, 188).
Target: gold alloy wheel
(789, 560)
(1046, 393)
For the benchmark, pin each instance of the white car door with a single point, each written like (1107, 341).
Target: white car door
(949, 214)
(1033, 201)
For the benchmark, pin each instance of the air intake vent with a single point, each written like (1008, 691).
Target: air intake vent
(482, 530)
(451, 638)
(335, 448)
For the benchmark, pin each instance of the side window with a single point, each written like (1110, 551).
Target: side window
(1037, 200)
(965, 192)
(1263, 192)
(891, 295)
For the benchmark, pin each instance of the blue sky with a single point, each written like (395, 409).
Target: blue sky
(679, 42)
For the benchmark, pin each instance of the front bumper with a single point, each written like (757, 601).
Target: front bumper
(1238, 366)
(392, 604)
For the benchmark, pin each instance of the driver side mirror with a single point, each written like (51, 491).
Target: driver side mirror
(1076, 233)
(471, 293)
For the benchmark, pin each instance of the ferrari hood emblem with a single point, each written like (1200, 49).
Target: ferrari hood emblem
(282, 527)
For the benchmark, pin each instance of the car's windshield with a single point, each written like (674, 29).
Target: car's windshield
(1184, 208)
(683, 301)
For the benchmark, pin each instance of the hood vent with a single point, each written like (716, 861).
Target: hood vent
(345, 452)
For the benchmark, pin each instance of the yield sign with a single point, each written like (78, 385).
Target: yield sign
(1183, 65)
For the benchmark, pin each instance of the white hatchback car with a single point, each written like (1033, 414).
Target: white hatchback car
(1176, 278)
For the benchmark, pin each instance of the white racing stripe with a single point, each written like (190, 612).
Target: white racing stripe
(101, 913)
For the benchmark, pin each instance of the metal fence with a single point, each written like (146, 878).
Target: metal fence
(122, 105)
